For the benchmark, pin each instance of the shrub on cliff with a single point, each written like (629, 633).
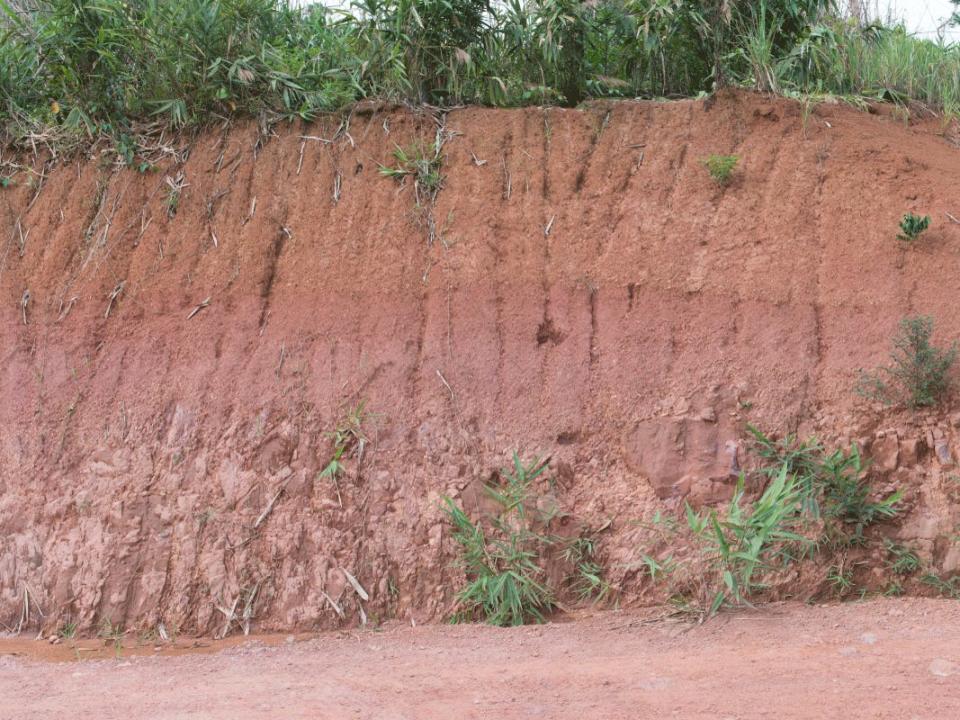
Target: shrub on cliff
(919, 373)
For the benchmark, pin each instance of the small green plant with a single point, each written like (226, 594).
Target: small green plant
(348, 440)
(840, 579)
(660, 568)
(5, 181)
(112, 633)
(587, 581)
(912, 226)
(947, 587)
(502, 555)
(175, 186)
(920, 372)
(423, 165)
(833, 486)
(901, 560)
(846, 498)
(67, 631)
(721, 167)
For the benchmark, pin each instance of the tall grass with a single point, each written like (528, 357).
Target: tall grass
(83, 69)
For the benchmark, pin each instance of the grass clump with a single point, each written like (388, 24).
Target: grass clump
(901, 560)
(587, 580)
(721, 167)
(747, 539)
(502, 555)
(919, 374)
(423, 166)
(814, 503)
(912, 226)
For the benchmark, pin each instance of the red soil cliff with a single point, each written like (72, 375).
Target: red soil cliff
(591, 295)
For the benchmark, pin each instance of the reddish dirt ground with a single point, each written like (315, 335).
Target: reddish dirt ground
(896, 659)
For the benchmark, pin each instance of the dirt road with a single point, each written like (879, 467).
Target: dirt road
(877, 659)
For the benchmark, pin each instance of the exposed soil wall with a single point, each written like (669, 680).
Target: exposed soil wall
(591, 295)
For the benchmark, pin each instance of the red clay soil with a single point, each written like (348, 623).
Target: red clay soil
(591, 294)
(888, 659)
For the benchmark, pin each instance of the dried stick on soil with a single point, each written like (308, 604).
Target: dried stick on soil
(356, 585)
(952, 218)
(230, 615)
(198, 308)
(333, 603)
(269, 508)
(113, 296)
(283, 354)
(546, 230)
(248, 607)
(64, 311)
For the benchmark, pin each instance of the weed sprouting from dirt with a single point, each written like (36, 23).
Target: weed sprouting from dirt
(503, 554)
(721, 167)
(67, 631)
(901, 560)
(920, 372)
(113, 633)
(947, 587)
(349, 441)
(425, 166)
(421, 164)
(912, 226)
(587, 580)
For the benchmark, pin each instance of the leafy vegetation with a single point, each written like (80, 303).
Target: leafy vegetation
(748, 539)
(901, 559)
(587, 581)
(814, 504)
(424, 166)
(349, 441)
(502, 555)
(912, 226)
(920, 372)
(75, 70)
(721, 167)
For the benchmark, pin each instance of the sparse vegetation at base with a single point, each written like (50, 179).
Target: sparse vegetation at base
(72, 71)
(919, 373)
(502, 555)
(814, 505)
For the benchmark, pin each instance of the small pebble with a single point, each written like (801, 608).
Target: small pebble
(942, 668)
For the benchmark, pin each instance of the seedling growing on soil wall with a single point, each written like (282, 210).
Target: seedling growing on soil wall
(348, 440)
(587, 579)
(919, 374)
(502, 555)
(901, 559)
(423, 166)
(912, 226)
(721, 167)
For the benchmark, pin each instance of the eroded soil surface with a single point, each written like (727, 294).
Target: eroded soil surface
(876, 659)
